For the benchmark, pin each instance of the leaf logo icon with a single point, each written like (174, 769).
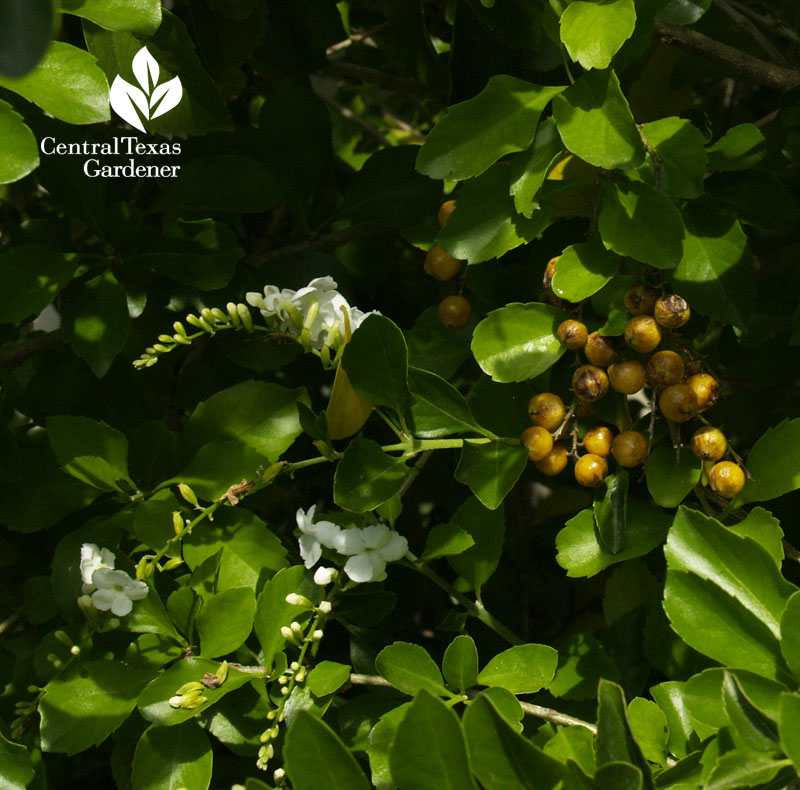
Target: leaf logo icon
(150, 99)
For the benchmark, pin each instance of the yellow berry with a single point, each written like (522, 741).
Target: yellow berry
(549, 271)
(454, 311)
(627, 376)
(554, 462)
(598, 440)
(441, 265)
(671, 311)
(709, 443)
(629, 448)
(665, 368)
(642, 334)
(726, 479)
(600, 350)
(590, 470)
(678, 403)
(590, 382)
(640, 300)
(547, 410)
(706, 388)
(538, 441)
(445, 210)
(572, 334)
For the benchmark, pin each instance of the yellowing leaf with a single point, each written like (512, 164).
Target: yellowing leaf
(347, 410)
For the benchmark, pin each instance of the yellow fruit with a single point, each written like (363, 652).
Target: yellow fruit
(598, 440)
(547, 409)
(441, 265)
(629, 448)
(726, 479)
(554, 462)
(445, 210)
(454, 311)
(590, 470)
(627, 376)
(538, 441)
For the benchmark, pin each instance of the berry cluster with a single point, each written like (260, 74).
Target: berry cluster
(454, 310)
(676, 381)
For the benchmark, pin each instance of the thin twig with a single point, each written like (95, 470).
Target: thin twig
(8, 622)
(774, 24)
(15, 354)
(359, 73)
(365, 126)
(737, 62)
(747, 25)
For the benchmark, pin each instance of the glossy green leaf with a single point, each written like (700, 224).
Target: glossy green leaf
(327, 677)
(460, 663)
(640, 222)
(522, 669)
(316, 757)
(594, 32)
(82, 707)
(258, 414)
(611, 512)
(30, 277)
(684, 12)
(583, 269)
(682, 158)
(582, 661)
(225, 621)
(670, 477)
(740, 148)
(789, 727)
(685, 774)
(429, 750)
(762, 527)
(756, 730)
(135, 16)
(501, 758)
(172, 757)
(490, 470)
(716, 271)
(581, 554)
(486, 528)
(366, 476)
(376, 361)
(20, 154)
(487, 224)
(96, 322)
(439, 409)
(649, 727)
(670, 697)
(595, 122)
(25, 30)
(615, 741)
(445, 540)
(518, 341)
(529, 168)
(736, 770)
(619, 776)
(272, 611)
(438, 348)
(790, 633)
(474, 134)
(81, 444)
(409, 668)
(573, 744)
(380, 741)
(770, 479)
(67, 83)
(18, 769)
(154, 704)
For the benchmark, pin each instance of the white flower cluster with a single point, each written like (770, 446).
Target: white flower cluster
(318, 313)
(368, 548)
(110, 589)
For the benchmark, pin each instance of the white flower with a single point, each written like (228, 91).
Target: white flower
(379, 546)
(116, 591)
(324, 576)
(315, 536)
(92, 559)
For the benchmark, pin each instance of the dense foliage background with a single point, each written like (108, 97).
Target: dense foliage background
(540, 633)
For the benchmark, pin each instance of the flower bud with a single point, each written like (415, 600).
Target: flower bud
(293, 599)
(286, 632)
(171, 564)
(75, 650)
(179, 328)
(219, 316)
(87, 607)
(175, 702)
(63, 637)
(182, 339)
(207, 315)
(245, 315)
(187, 493)
(284, 691)
(271, 472)
(192, 685)
(143, 568)
(297, 629)
(222, 672)
(317, 635)
(279, 776)
(234, 314)
(294, 666)
(191, 703)
(324, 576)
(165, 339)
(325, 607)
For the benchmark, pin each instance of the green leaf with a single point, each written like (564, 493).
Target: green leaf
(486, 527)
(25, 30)
(770, 479)
(460, 663)
(272, 611)
(429, 751)
(501, 758)
(134, 16)
(649, 727)
(439, 409)
(490, 470)
(529, 168)
(583, 269)
(573, 744)
(611, 512)
(438, 348)
(682, 158)
(740, 148)
(716, 272)
(96, 322)
(736, 770)
(764, 529)
(518, 341)
(316, 758)
(82, 707)
(66, 83)
(486, 224)
(153, 702)
(225, 621)
(410, 668)
(327, 677)
(172, 757)
(18, 769)
(594, 32)
(20, 154)
(582, 661)
(670, 697)
(684, 12)
(790, 633)
(474, 134)
(366, 476)
(595, 122)
(376, 361)
(615, 741)
(258, 414)
(756, 730)
(446, 540)
(522, 669)
(581, 554)
(91, 451)
(670, 477)
(640, 222)
(789, 727)
(619, 776)
(30, 277)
